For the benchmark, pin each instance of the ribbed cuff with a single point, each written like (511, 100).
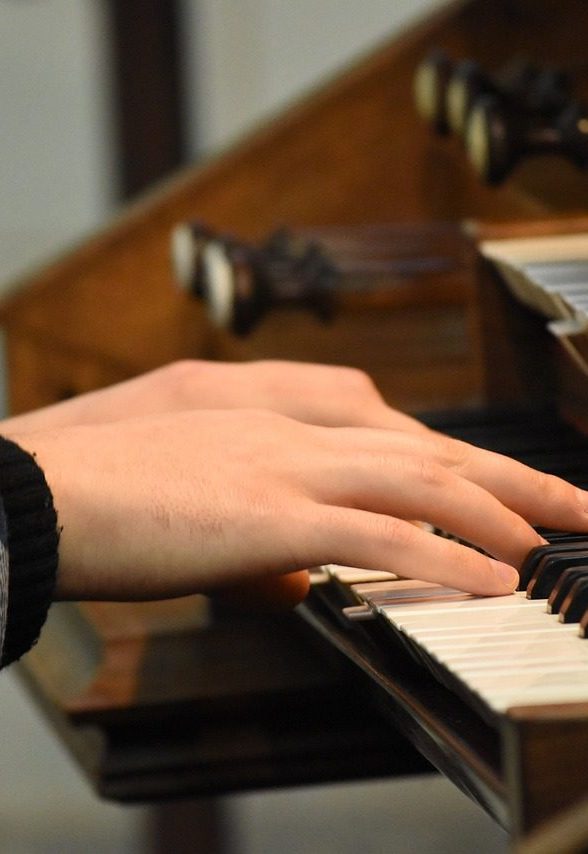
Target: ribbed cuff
(32, 540)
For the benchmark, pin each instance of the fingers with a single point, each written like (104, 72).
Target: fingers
(409, 487)
(360, 538)
(539, 498)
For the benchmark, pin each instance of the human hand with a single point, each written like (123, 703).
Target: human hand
(316, 394)
(319, 394)
(195, 501)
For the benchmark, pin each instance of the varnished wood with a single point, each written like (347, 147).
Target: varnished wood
(114, 298)
(517, 351)
(544, 756)
(161, 701)
(567, 833)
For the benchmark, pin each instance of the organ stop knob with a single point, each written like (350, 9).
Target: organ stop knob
(318, 270)
(498, 138)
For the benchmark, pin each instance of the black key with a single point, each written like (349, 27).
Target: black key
(576, 602)
(563, 464)
(549, 570)
(563, 586)
(555, 537)
(536, 555)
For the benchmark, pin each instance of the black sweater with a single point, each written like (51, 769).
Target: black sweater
(28, 551)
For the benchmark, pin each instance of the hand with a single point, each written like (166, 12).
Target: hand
(316, 394)
(319, 394)
(193, 501)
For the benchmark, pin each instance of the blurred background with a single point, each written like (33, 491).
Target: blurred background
(99, 100)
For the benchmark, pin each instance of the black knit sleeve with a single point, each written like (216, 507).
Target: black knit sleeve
(29, 540)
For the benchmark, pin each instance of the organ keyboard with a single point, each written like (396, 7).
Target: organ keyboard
(507, 651)
(499, 670)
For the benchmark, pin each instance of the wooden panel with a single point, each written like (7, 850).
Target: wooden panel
(544, 758)
(43, 371)
(159, 700)
(517, 351)
(420, 354)
(115, 295)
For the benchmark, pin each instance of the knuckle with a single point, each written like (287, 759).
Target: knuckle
(550, 488)
(466, 562)
(178, 378)
(271, 427)
(256, 419)
(454, 452)
(181, 369)
(268, 368)
(470, 559)
(357, 381)
(429, 473)
(392, 531)
(557, 492)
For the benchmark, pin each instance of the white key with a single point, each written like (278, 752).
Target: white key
(568, 693)
(539, 677)
(513, 650)
(481, 644)
(507, 649)
(406, 594)
(540, 663)
(501, 620)
(358, 575)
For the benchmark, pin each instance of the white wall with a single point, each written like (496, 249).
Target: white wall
(246, 58)
(55, 148)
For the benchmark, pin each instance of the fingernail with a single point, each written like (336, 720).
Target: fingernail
(506, 573)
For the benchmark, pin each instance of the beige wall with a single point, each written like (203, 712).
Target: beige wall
(55, 153)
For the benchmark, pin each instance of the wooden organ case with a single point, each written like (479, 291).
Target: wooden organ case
(155, 700)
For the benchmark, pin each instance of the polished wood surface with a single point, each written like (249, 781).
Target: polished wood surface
(165, 700)
(160, 700)
(114, 299)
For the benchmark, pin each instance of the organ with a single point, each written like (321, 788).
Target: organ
(220, 712)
